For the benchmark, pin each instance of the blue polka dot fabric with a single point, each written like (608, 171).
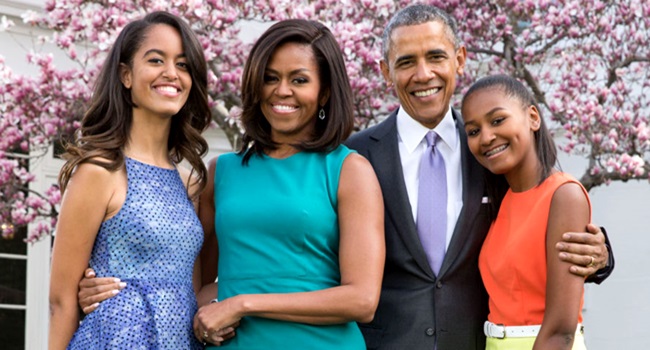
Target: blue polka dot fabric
(151, 244)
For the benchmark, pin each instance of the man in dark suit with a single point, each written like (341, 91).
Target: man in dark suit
(420, 308)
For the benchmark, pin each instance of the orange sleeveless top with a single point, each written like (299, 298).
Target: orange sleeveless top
(513, 258)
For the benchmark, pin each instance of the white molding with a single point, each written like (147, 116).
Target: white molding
(13, 256)
(13, 9)
(12, 307)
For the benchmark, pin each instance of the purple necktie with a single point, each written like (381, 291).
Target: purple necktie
(432, 203)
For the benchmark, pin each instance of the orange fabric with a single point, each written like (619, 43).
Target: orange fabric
(513, 257)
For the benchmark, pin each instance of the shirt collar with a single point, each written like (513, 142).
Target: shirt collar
(411, 132)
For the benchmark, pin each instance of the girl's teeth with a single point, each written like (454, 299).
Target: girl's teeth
(496, 150)
(167, 89)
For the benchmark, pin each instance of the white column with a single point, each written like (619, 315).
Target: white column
(46, 170)
(38, 278)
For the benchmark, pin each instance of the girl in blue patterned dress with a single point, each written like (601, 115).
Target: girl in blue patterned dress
(127, 209)
(299, 216)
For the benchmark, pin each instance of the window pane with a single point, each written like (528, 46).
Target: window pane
(12, 324)
(14, 245)
(13, 278)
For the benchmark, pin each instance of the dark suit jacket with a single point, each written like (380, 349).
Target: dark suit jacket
(415, 306)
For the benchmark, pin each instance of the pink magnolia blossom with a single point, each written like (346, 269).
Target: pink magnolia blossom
(588, 63)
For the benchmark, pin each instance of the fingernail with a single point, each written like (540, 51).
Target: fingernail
(122, 285)
(116, 280)
(115, 291)
(562, 255)
(91, 274)
(95, 305)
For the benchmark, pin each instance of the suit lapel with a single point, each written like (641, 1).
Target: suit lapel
(384, 155)
(473, 189)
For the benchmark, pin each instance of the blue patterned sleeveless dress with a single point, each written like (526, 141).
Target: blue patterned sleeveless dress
(151, 244)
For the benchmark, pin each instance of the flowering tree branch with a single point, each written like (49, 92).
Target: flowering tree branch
(586, 61)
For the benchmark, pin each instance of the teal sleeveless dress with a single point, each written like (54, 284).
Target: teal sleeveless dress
(277, 226)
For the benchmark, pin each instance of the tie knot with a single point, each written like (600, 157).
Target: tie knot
(431, 138)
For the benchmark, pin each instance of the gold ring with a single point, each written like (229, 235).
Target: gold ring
(205, 334)
(591, 264)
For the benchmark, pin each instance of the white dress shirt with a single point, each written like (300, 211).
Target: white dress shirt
(411, 146)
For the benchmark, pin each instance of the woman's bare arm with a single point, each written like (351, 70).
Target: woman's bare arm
(84, 206)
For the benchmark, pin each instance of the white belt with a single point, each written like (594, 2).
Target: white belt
(493, 330)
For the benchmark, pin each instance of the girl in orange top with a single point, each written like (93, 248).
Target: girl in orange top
(535, 301)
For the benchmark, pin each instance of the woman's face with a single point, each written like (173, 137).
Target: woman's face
(159, 76)
(291, 94)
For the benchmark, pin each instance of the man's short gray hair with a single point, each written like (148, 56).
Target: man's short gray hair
(418, 14)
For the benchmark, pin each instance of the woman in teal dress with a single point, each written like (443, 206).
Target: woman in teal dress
(298, 217)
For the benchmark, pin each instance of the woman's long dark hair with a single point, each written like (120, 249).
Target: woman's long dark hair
(339, 114)
(105, 127)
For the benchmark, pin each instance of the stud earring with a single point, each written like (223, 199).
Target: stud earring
(321, 114)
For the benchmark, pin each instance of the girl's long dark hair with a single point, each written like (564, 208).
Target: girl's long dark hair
(106, 125)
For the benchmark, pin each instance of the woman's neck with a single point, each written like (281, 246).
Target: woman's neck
(148, 141)
(283, 151)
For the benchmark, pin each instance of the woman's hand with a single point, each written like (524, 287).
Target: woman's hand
(216, 322)
(93, 290)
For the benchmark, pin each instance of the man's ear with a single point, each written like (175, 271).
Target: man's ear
(461, 57)
(535, 118)
(385, 71)
(125, 75)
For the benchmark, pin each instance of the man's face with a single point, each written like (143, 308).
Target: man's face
(422, 66)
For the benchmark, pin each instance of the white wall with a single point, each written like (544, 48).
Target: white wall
(17, 41)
